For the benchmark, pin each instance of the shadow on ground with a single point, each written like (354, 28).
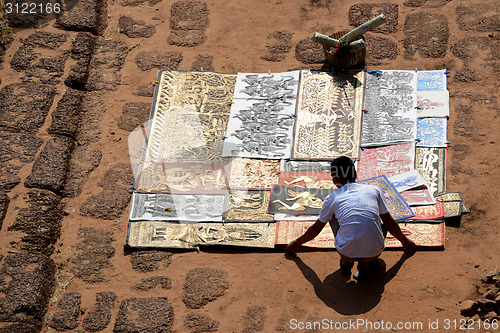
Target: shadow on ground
(343, 294)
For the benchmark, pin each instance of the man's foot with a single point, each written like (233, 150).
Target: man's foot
(364, 272)
(345, 269)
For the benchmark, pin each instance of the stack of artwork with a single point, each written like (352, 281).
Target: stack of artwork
(243, 159)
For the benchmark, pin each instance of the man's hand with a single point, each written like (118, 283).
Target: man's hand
(410, 247)
(393, 227)
(310, 233)
(293, 247)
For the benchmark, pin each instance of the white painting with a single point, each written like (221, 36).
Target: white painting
(262, 116)
(176, 207)
(407, 180)
(390, 114)
(433, 103)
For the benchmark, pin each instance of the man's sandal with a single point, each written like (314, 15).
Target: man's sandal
(365, 272)
(345, 269)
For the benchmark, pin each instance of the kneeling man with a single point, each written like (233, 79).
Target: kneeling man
(359, 219)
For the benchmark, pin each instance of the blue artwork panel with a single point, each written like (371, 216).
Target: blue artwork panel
(431, 132)
(431, 80)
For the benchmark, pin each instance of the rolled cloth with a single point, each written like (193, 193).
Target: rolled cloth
(356, 33)
(325, 40)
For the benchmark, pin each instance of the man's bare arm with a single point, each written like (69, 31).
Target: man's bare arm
(393, 227)
(310, 233)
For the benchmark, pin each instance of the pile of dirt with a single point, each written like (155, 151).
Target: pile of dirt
(89, 15)
(51, 166)
(99, 316)
(381, 50)
(94, 254)
(91, 114)
(203, 63)
(134, 114)
(24, 106)
(40, 221)
(27, 283)
(473, 49)
(135, 29)
(363, 12)
(46, 67)
(115, 196)
(167, 60)
(4, 205)
(84, 159)
(16, 150)
(427, 34)
(66, 116)
(188, 22)
(477, 17)
(254, 319)
(67, 319)
(145, 90)
(204, 285)
(81, 51)
(152, 282)
(147, 261)
(105, 65)
(279, 44)
(147, 315)
(309, 52)
(200, 324)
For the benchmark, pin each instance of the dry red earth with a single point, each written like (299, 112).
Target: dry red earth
(72, 90)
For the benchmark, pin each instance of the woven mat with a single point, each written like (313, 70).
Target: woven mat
(407, 180)
(454, 196)
(305, 166)
(419, 196)
(423, 234)
(152, 234)
(297, 200)
(431, 80)
(433, 104)
(432, 132)
(429, 212)
(176, 207)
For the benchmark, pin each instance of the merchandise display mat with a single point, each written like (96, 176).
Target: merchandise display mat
(160, 234)
(423, 234)
(206, 171)
(189, 117)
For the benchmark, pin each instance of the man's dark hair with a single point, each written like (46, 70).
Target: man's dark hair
(343, 167)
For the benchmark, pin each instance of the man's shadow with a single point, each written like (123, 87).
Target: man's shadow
(345, 296)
